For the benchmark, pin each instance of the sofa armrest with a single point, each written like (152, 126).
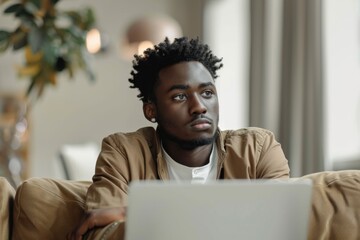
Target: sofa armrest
(48, 208)
(7, 197)
(335, 212)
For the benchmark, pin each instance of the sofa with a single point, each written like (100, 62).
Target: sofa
(43, 208)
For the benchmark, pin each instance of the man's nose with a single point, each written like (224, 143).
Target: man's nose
(197, 105)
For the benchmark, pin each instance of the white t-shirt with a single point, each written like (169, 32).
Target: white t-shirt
(179, 172)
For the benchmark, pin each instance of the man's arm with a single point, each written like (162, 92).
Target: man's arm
(108, 193)
(272, 162)
(97, 218)
(123, 158)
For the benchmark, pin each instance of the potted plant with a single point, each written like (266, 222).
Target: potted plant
(53, 41)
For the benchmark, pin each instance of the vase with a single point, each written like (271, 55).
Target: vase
(14, 135)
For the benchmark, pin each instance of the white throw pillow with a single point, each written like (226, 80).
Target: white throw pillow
(79, 160)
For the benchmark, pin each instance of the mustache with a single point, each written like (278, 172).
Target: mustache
(201, 117)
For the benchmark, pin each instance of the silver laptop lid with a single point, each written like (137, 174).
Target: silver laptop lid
(226, 210)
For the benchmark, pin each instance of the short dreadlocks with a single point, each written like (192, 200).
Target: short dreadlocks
(146, 67)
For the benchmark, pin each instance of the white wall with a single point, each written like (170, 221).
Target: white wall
(226, 31)
(342, 72)
(78, 111)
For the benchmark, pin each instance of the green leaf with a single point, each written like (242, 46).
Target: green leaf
(4, 35)
(74, 16)
(19, 40)
(36, 39)
(89, 18)
(13, 8)
(76, 34)
(50, 54)
(54, 1)
(27, 22)
(4, 40)
(31, 8)
(31, 85)
(37, 3)
(4, 45)
(22, 12)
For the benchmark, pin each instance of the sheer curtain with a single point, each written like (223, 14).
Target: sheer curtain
(286, 82)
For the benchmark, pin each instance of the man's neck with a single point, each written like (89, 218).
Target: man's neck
(196, 157)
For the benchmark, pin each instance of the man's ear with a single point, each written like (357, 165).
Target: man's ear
(149, 110)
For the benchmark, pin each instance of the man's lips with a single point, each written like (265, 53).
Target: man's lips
(201, 124)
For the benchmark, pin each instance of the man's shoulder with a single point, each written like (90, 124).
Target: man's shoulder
(246, 136)
(143, 134)
(248, 131)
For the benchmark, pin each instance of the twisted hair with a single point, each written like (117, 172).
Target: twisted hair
(146, 67)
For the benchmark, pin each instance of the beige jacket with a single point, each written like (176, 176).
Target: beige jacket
(248, 153)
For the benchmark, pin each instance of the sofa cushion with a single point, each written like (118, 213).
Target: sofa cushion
(335, 205)
(48, 208)
(6, 207)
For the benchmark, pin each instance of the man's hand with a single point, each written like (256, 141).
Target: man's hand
(97, 218)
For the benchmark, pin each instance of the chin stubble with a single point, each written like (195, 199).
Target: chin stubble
(187, 144)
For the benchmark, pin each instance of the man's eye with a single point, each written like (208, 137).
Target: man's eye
(180, 97)
(207, 93)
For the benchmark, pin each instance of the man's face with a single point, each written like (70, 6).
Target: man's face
(187, 104)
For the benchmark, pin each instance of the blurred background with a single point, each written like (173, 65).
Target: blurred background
(289, 66)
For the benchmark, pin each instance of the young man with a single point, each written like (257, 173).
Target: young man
(176, 81)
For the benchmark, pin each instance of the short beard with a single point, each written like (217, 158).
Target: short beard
(187, 144)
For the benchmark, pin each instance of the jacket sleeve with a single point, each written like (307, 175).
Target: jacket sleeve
(124, 157)
(110, 182)
(272, 162)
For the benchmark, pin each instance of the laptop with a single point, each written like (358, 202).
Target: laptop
(219, 210)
